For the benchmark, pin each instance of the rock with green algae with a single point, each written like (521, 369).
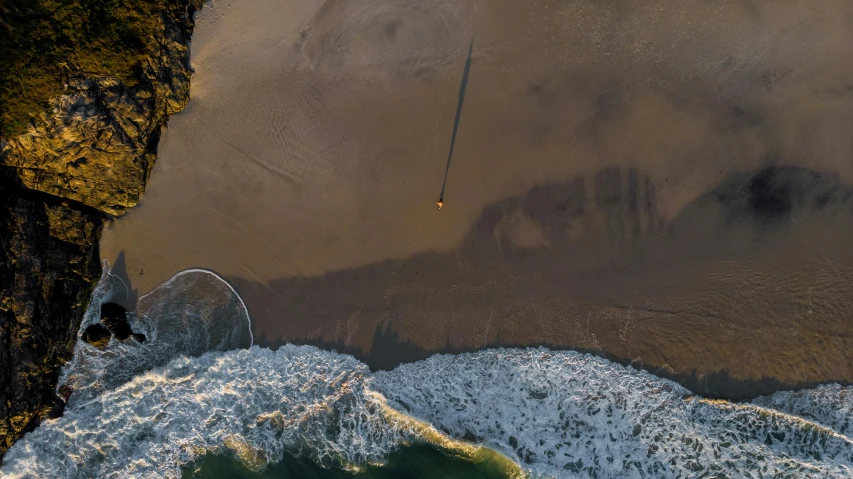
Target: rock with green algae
(90, 155)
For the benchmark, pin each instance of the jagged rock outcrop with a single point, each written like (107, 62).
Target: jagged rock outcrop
(97, 146)
(113, 323)
(48, 264)
(89, 157)
(114, 317)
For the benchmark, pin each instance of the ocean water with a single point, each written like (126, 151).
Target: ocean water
(411, 462)
(229, 409)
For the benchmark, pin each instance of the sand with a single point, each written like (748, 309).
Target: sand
(602, 193)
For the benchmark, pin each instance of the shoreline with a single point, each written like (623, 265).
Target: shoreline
(716, 385)
(508, 400)
(722, 300)
(390, 351)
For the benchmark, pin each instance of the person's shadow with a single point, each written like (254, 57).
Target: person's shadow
(124, 293)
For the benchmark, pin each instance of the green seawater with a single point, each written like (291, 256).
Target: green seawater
(407, 462)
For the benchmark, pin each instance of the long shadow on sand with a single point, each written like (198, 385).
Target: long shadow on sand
(462, 87)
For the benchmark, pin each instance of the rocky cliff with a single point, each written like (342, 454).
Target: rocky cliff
(85, 159)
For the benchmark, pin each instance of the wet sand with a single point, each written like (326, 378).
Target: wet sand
(612, 186)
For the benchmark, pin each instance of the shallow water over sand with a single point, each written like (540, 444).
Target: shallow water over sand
(416, 462)
(601, 193)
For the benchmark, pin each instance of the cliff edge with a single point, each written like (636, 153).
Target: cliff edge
(83, 158)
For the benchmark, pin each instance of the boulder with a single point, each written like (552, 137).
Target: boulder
(114, 317)
(97, 335)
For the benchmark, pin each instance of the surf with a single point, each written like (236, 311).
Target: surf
(198, 388)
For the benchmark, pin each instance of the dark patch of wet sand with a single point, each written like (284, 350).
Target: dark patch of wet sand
(746, 292)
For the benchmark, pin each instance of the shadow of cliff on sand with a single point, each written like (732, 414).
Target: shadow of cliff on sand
(746, 291)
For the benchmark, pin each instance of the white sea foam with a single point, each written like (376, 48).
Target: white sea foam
(567, 414)
(192, 313)
(559, 414)
(829, 405)
(255, 403)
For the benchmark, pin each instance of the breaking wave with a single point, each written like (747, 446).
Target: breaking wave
(557, 414)
(566, 414)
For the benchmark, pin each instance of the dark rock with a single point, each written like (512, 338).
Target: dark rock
(114, 317)
(97, 143)
(49, 263)
(139, 338)
(58, 408)
(60, 400)
(91, 154)
(65, 392)
(97, 335)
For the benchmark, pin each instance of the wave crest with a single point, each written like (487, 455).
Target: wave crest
(559, 414)
(257, 404)
(566, 414)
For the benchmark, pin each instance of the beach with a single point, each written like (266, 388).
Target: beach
(666, 184)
